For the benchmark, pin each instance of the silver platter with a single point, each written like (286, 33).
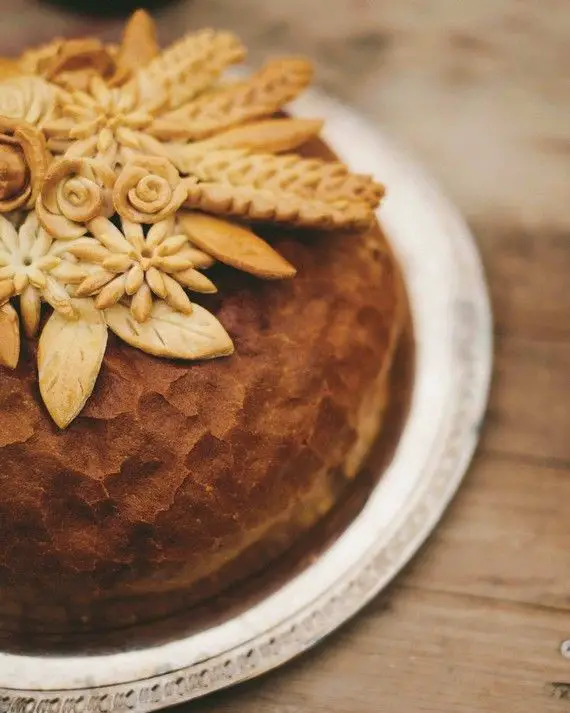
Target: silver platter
(452, 331)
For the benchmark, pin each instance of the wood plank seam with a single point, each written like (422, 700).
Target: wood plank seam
(483, 598)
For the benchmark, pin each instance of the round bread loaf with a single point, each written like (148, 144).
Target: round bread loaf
(179, 478)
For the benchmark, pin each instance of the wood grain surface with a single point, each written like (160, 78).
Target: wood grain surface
(479, 91)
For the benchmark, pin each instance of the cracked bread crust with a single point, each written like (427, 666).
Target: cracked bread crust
(174, 474)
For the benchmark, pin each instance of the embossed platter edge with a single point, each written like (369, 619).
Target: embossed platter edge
(452, 328)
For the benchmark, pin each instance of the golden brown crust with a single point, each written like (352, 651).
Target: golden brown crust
(174, 471)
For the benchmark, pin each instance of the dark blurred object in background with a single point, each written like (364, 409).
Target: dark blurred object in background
(109, 8)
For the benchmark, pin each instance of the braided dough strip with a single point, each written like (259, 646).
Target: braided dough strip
(310, 178)
(259, 204)
(276, 84)
(188, 67)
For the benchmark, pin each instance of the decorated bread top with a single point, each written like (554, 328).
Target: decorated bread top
(125, 172)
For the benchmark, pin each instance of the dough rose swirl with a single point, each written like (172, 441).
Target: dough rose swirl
(74, 192)
(23, 164)
(148, 190)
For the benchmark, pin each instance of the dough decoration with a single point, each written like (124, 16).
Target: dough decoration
(125, 172)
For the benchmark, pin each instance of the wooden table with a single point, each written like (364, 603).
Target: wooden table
(480, 92)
